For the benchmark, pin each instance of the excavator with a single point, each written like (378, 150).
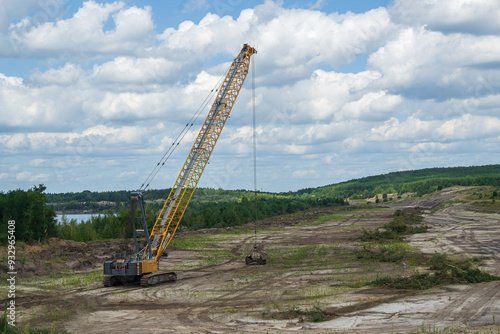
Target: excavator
(142, 266)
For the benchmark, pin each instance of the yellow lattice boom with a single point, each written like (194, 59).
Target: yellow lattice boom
(183, 189)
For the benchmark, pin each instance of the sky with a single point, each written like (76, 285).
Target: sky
(92, 93)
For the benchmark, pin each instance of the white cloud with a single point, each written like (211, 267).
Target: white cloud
(67, 75)
(38, 162)
(18, 141)
(426, 147)
(427, 64)
(468, 16)
(94, 140)
(127, 175)
(27, 176)
(429, 94)
(295, 149)
(45, 104)
(193, 5)
(290, 42)
(469, 127)
(11, 10)
(372, 106)
(84, 32)
(125, 70)
(466, 127)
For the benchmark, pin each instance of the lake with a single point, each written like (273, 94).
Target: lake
(78, 216)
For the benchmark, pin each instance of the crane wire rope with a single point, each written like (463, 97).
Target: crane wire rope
(182, 134)
(254, 151)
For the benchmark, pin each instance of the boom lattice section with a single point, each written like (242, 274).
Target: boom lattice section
(182, 191)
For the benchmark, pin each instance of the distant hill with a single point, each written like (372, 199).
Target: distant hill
(222, 208)
(422, 181)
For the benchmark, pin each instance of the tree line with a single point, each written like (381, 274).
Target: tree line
(199, 215)
(421, 182)
(33, 210)
(35, 220)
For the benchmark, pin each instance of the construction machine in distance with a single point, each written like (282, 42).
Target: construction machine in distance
(142, 266)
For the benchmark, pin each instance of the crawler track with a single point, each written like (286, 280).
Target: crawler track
(158, 278)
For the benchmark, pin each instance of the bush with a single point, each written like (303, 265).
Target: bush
(447, 271)
(404, 222)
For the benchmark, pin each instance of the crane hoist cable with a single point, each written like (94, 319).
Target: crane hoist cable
(254, 139)
(256, 255)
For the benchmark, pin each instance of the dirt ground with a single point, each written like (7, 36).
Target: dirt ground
(312, 282)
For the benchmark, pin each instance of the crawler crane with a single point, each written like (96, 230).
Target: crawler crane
(143, 265)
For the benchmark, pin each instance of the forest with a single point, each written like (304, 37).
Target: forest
(34, 220)
(421, 182)
(34, 211)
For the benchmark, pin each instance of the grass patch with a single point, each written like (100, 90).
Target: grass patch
(68, 280)
(5, 328)
(237, 231)
(370, 210)
(389, 252)
(198, 241)
(488, 206)
(334, 217)
(314, 255)
(460, 328)
(447, 270)
(404, 222)
(312, 314)
(205, 258)
(215, 257)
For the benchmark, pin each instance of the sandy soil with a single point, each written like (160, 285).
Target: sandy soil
(311, 267)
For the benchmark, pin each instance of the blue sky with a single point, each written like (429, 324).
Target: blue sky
(93, 92)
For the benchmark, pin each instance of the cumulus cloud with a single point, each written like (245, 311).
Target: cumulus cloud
(450, 16)
(27, 176)
(372, 106)
(45, 102)
(85, 34)
(124, 70)
(11, 10)
(120, 93)
(67, 75)
(290, 42)
(93, 140)
(425, 64)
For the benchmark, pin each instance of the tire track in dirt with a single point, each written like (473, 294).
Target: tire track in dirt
(477, 300)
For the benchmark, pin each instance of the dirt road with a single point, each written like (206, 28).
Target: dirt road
(312, 283)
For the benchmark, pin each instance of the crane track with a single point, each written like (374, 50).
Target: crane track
(157, 278)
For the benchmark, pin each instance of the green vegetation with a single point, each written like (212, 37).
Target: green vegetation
(406, 221)
(34, 214)
(224, 214)
(313, 314)
(326, 218)
(447, 270)
(420, 182)
(299, 256)
(459, 328)
(389, 252)
(33, 219)
(107, 226)
(387, 245)
(5, 328)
